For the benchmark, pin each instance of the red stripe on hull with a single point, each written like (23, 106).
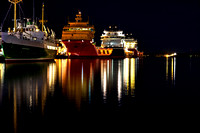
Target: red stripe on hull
(79, 48)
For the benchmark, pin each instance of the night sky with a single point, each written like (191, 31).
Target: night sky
(159, 26)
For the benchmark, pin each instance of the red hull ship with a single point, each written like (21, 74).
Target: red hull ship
(78, 38)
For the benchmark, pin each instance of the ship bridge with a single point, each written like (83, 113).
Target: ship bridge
(78, 30)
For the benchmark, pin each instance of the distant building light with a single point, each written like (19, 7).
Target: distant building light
(170, 55)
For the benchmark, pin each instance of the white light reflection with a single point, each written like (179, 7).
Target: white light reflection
(103, 79)
(119, 86)
(172, 69)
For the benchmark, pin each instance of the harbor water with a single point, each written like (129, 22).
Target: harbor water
(35, 97)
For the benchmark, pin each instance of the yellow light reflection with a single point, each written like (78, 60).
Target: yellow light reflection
(2, 72)
(126, 73)
(132, 76)
(167, 68)
(171, 69)
(129, 75)
(51, 75)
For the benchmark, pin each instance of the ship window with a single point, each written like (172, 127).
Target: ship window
(34, 38)
(104, 52)
(108, 52)
(99, 51)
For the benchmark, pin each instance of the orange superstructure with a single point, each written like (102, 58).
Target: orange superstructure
(78, 30)
(78, 37)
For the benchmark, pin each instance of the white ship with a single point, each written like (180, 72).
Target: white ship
(112, 38)
(27, 42)
(131, 46)
(123, 45)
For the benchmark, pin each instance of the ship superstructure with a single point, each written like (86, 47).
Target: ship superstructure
(130, 46)
(27, 42)
(112, 38)
(78, 37)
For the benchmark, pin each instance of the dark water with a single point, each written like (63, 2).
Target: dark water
(63, 95)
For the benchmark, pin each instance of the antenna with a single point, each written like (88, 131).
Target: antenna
(15, 10)
(33, 12)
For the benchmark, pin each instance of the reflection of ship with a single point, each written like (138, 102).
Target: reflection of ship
(27, 42)
(78, 38)
(77, 78)
(28, 85)
(113, 38)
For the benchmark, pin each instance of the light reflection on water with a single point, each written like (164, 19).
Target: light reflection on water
(35, 94)
(27, 87)
(76, 78)
(171, 69)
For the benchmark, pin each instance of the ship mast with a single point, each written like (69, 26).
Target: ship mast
(43, 21)
(15, 10)
(33, 12)
(42, 17)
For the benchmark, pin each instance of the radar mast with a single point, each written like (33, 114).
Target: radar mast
(15, 2)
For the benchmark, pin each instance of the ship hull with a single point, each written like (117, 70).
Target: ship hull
(80, 48)
(15, 52)
(118, 52)
(15, 49)
(86, 49)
